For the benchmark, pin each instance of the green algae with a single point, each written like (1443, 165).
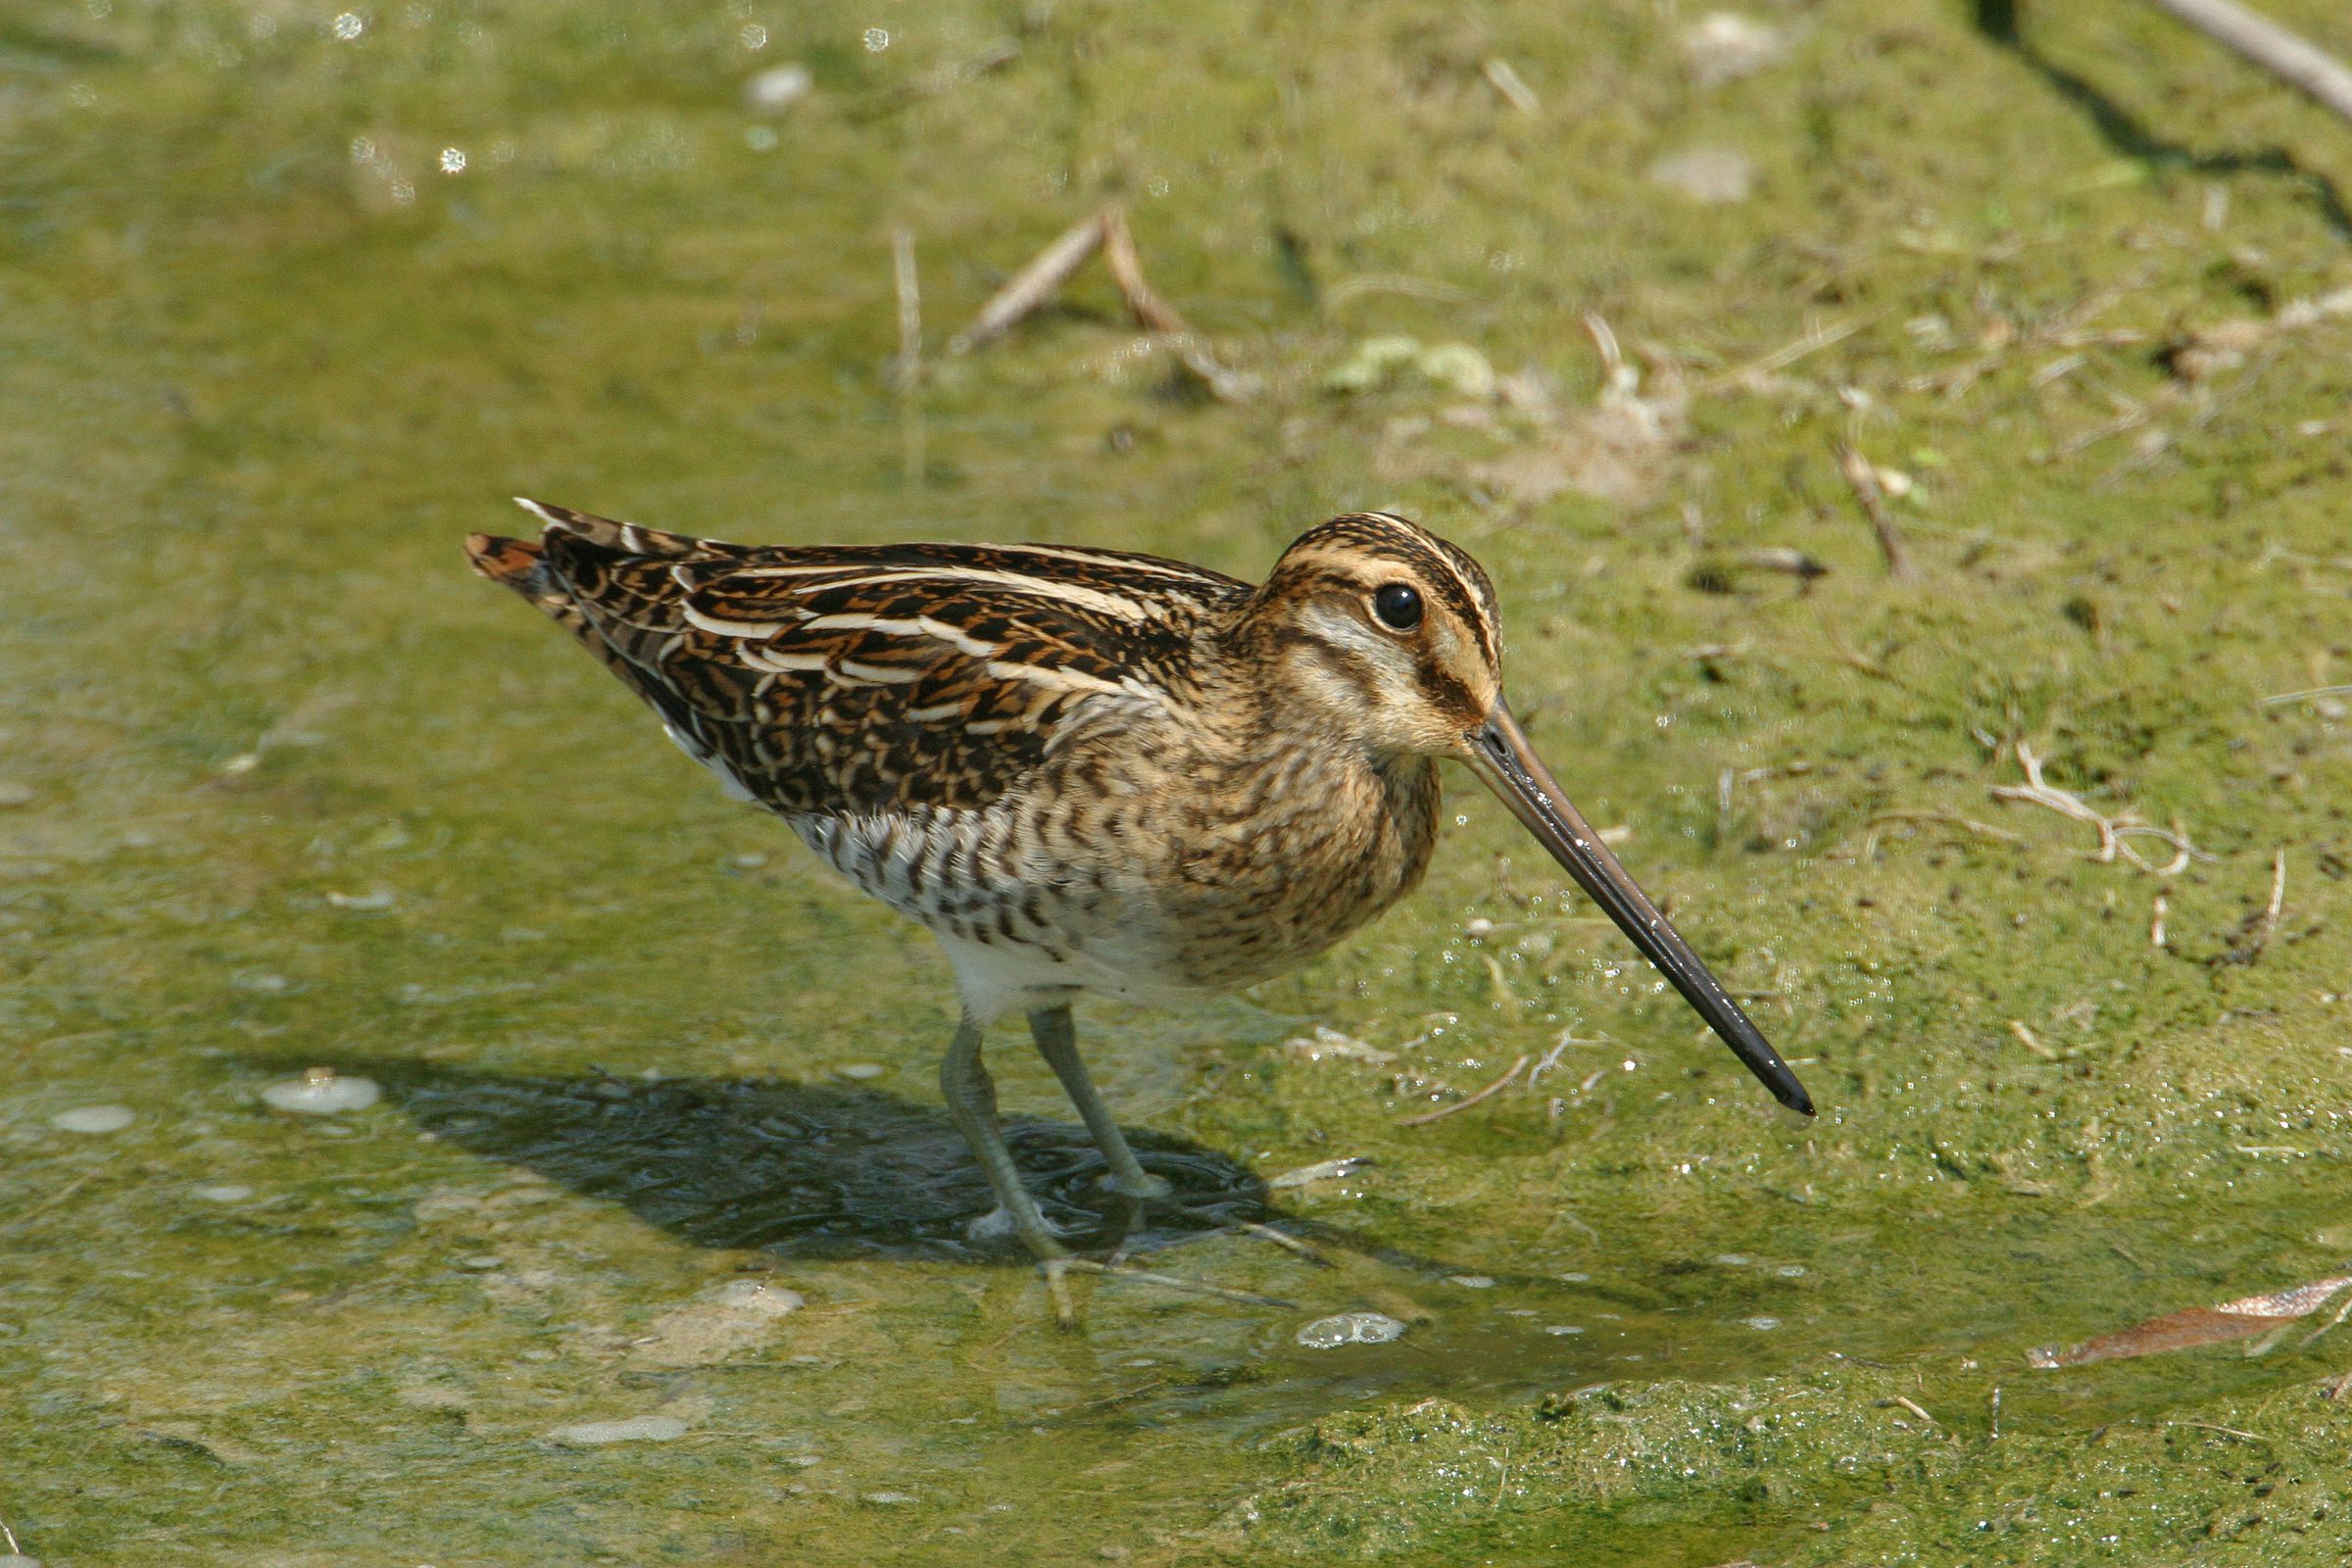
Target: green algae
(289, 788)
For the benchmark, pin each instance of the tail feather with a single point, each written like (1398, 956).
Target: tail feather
(516, 562)
(609, 584)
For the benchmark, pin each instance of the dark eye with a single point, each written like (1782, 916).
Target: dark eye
(1398, 606)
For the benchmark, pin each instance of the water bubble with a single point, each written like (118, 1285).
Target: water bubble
(753, 37)
(349, 26)
(453, 162)
(221, 1192)
(1349, 1327)
(93, 1119)
(322, 1091)
(860, 1071)
(1762, 1324)
(877, 39)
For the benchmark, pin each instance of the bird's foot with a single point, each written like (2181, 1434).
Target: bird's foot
(1210, 1225)
(1057, 1269)
(1001, 1222)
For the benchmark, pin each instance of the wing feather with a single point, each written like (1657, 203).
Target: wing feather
(840, 678)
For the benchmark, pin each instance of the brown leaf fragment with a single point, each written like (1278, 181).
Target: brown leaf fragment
(2241, 1319)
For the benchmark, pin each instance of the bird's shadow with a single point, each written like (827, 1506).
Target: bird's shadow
(801, 1169)
(2001, 21)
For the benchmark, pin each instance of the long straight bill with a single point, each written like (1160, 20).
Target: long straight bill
(1503, 761)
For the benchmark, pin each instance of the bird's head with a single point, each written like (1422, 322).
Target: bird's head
(1378, 633)
(1382, 634)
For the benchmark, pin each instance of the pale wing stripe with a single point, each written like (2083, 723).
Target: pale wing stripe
(877, 674)
(1065, 680)
(783, 664)
(1082, 556)
(1094, 599)
(734, 629)
(1113, 563)
(922, 626)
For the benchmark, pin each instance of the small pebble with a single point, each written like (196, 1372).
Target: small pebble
(222, 1192)
(1712, 175)
(777, 89)
(1731, 1259)
(93, 1119)
(1472, 1282)
(636, 1429)
(1761, 1323)
(374, 902)
(322, 1091)
(1563, 1329)
(1349, 1327)
(859, 1072)
(261, 982)
(1577, 1279)
(887, 1498)
(1789, 1271)
(1724, 46)
(481, 1262)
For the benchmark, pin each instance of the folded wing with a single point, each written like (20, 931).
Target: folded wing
(858, 678)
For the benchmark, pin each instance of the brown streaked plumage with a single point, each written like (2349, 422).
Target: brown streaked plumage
(1087, 770)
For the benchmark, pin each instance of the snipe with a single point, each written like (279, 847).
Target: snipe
(1088, 769)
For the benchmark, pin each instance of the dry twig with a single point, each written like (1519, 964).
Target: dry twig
(1750, 375)
(1509, 85)
(1158, 316)
(1490, 1090)
(1031, 286)
(1982, 830)
(1863, 479)
(1910, 1406)
(1106, 230)
(2025, 1036)
(2114, 832)
(907, 367)
(2302, 65)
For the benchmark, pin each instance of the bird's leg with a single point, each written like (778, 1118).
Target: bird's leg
(972, 1103)
(1058, 1042)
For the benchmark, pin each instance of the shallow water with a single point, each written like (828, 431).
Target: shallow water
(283, 787)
